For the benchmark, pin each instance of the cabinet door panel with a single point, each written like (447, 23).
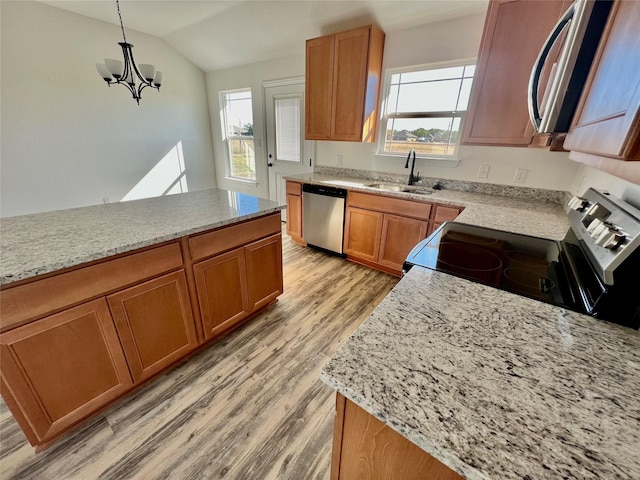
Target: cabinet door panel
(399, 236)
(370, 450)
(294, 216)
(58, 370)
(221, 283)
(349, 80)
(155, 323)
(264, 271)
(446, 214)
(363, 229)
(514, 33)
(607, 121)
(319, 87)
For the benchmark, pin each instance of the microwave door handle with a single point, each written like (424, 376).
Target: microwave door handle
(534, 80)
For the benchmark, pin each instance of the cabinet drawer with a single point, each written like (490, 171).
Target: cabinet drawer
(446, 214)
(226, 238)
(40, 297)
(381, 203)
(294, 188)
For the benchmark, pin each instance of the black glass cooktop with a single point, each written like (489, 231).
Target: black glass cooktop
(525, 265)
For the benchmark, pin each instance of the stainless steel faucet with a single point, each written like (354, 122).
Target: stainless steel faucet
(412, 178)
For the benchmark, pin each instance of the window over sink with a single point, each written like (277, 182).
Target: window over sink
(237, 130)
(424, 108)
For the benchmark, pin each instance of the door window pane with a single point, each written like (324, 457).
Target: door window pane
(288, 129)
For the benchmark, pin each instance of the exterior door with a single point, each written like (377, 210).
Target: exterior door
(288, 153)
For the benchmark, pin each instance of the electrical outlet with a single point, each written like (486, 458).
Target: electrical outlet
(338, 159)
(106, 200)
(483, 171)
(521, 175)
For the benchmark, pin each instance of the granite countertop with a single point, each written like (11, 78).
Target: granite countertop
(35, 244)
(540, 218)
(495, 385)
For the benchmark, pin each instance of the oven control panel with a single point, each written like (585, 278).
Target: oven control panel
(608, 228)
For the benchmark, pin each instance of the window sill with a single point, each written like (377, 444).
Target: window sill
(434, 161)
(243, 181)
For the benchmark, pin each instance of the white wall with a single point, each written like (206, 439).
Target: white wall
(590, 177)
(69, 140)
(249, 76)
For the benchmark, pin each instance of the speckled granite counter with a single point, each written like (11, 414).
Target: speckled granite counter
(495, 385)
(520, 215)
(35, 244)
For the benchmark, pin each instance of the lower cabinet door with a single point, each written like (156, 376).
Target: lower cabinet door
(362, 233)
(294, 216)
(264, 271)
(399, 236)
(155, 323)
(60, 369)
(221, 283)
(364, 448)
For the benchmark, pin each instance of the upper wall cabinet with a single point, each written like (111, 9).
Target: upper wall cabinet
(514, 32)
(343, 76)
(607, 122)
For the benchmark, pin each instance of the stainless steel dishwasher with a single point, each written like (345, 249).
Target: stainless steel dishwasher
(323, 216)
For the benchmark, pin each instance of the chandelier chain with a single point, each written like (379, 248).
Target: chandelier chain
(121, 25)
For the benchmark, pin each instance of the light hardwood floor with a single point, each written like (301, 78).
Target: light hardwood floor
(251, 406)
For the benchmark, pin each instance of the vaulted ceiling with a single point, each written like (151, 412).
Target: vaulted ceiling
(221, 34)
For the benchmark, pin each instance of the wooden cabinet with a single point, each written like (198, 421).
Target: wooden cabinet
(607, 121)
(75, 341)
(445, 213)
(399, 236)
(380, 231)
(232, 285)
(155, 323)
(58, 370)
(342, 85)
(294, 211)
(362, 235)
(364, 448)
(513, 35)
(264, 271)
(222, 290)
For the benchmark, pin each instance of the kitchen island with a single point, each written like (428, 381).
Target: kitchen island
(491, 384)
(98, 300)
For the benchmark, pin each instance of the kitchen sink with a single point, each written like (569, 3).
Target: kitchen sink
(399, 188)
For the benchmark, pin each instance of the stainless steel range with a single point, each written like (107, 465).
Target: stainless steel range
(594, 270)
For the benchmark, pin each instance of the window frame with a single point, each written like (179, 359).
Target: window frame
(385, 118)
(226, 138)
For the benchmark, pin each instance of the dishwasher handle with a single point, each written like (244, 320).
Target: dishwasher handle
(324, 190)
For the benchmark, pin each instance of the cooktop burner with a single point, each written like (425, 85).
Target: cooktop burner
(525, 265)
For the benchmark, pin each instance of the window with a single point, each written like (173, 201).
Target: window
(424, 110)
(237, 130)
(288, 128)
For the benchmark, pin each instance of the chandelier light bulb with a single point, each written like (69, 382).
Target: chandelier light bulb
(135, 77)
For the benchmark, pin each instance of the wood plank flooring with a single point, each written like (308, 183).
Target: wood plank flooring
(251, 406)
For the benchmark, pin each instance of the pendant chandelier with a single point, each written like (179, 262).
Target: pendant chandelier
(135, 77)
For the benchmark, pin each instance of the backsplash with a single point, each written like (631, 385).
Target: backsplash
(541, 194)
